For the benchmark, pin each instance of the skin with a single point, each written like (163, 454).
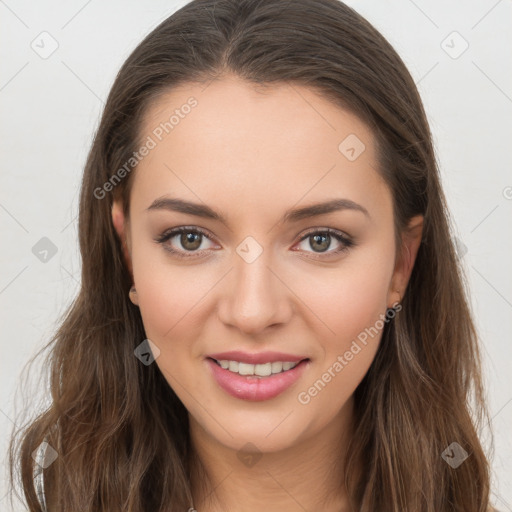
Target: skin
(251, 154)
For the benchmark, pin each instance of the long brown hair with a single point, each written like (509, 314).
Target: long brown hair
(120, 431)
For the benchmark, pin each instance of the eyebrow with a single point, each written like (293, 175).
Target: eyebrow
(291, 215)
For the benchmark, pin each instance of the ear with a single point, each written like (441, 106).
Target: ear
(121, 227)
(411, 239)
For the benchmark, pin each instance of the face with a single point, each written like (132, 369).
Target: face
(255, 270)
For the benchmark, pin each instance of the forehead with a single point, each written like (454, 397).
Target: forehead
(230, 139)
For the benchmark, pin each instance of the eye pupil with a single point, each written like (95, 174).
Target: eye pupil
(193, 238)
(326, 240)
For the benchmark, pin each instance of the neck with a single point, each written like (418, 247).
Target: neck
(306, 476)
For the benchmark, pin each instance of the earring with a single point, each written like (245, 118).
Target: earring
(133, 295)
(391, 312)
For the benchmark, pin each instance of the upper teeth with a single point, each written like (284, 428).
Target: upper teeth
(261, 370)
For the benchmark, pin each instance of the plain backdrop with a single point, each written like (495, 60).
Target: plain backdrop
(58, 61)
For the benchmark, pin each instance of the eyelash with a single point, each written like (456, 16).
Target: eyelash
(346, 241)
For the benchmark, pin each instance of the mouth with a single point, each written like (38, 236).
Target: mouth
(256, 382)
(261, 370)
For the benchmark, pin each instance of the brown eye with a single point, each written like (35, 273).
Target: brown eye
(184, 242)
(191, 240)
(321, 241)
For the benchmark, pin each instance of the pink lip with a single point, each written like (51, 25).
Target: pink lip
(251, 387)
(259, 358)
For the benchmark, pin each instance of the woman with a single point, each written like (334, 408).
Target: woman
(271, 314)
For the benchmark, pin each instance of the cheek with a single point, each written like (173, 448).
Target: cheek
(170, 295)
(348, 299)
(170, 306)
(353, 308)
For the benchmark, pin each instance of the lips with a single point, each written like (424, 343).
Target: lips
(253, 388)
(256, 358)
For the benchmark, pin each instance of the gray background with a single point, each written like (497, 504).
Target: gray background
(50, 107)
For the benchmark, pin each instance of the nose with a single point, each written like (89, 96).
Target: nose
(255, 296)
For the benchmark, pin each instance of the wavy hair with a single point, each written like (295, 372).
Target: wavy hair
(120, 431)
